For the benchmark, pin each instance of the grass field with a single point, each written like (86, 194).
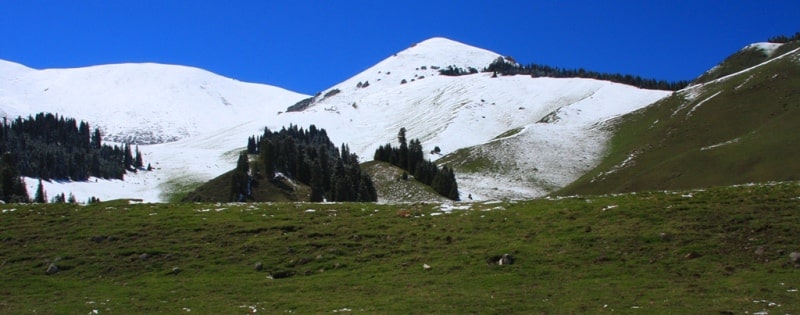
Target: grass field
(709, 251)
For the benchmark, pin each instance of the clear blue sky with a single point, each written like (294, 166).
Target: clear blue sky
(307, 46)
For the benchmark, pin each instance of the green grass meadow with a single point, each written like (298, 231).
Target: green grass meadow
(708, 251)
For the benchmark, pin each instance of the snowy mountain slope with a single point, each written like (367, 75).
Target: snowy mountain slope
(450, 112)
(138, 103)
(471, 110)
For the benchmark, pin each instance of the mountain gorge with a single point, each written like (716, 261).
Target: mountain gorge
(506, 137)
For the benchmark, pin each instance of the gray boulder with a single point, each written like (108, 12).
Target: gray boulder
(52, 269)
(794, 258)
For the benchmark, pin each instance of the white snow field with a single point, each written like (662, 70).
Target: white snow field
(198, 121)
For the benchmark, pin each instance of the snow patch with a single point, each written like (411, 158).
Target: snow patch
(720, 144)
(689, 113)
(767, 48)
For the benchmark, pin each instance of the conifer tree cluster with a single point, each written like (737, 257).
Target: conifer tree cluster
(51, 147)
(12, 187)
(500, 66)
(309, 157)
(782, 39)
(409, 157)
(454, 71)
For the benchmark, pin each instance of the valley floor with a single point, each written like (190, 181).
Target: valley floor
(720, 250)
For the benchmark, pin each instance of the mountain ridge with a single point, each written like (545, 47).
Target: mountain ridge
(403, 90)
(736, 129)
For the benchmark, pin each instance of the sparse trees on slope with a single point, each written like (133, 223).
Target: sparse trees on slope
(410, 158)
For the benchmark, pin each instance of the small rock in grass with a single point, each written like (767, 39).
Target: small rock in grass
(794, 258)
(176, 270)
(52, 269)
(505, 259)
(426, 266)
(259, 266)
(760, 250)
(692, 255)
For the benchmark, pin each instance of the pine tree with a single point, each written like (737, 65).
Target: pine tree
(40, 196)
(96, 141)
(240, 182)
(138, 163)
(128, 160)
(403, 154)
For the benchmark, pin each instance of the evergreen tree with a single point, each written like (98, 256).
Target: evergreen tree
(12, 186)
(96, 141)
(137, 161)
(40, 196)
(252, 145)
(240, 182)
(128, 160)
(403, 152)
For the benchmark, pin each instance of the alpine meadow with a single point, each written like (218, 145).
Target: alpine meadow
(445, 178)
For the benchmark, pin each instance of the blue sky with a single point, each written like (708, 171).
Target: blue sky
(307, 46)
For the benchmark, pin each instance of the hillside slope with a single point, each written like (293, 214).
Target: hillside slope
(460, 112)
(737, 129)
(138, 103)
(202, 120)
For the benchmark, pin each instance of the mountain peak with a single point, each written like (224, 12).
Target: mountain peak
(440, 51)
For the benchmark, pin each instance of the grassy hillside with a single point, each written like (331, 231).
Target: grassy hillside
(743, 59)
(738, 130)
(264, 190)
(393, 189)
(717, 251)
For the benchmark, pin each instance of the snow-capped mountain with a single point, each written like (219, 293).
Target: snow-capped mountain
(471, 111)
(138, 103)
(204, 119)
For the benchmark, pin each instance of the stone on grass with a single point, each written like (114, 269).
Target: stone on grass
(504, 259)
(794, 258)
(259, 266)
(52, 269)
(692, 255)
(426, 266)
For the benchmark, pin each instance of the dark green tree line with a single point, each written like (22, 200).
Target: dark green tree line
(50, 147)
(500, 66)
(309, 157)
(782, 39)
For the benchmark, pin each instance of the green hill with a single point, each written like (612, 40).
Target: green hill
(716, 251)
(393, 188)
(738, 129)
(264, 190)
